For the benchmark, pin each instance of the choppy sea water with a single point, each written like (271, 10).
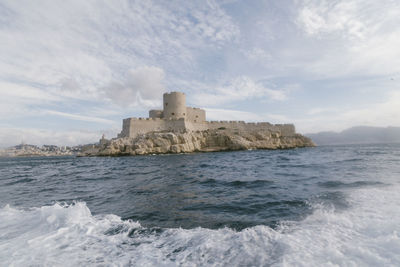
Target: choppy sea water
(332, 205)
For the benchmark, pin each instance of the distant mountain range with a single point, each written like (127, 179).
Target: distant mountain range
(358, 135)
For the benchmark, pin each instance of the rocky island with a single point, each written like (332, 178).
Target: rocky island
(181, 129)
(199, 141)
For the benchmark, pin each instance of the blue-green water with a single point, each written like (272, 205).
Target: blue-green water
(311, 206)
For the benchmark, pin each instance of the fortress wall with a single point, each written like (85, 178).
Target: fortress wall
(126, 125)
(284, 129)
(287, 129)
(196, 126)
(236, 125)
(242, 126)
(195, 114)
(142, 125)
(155, 113)
(173, 125)
(135, 126)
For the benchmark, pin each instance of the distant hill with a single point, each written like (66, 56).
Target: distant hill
(358, 135)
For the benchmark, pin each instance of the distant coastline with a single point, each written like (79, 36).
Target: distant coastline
(357, 135)
(26, 150)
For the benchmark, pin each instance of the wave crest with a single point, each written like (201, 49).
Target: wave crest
(70, 235)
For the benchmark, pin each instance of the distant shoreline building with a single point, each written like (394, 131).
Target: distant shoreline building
(177, 117)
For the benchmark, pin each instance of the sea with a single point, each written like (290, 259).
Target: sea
(321, 206)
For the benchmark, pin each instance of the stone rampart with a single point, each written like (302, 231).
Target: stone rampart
(135, 126)
(284, 129)
(195, 115)
(196, 126)
(126, 125)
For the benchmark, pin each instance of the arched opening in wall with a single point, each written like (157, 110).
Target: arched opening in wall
(184, 114)
(172, 113)
(197, 116)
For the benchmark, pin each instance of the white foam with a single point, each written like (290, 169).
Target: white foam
(366, 234)
(59, 235)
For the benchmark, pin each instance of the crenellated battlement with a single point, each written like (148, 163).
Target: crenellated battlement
(176, 117)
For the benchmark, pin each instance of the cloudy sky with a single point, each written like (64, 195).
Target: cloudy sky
(72, 70)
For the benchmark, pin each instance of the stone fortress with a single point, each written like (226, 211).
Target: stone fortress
(177, 117)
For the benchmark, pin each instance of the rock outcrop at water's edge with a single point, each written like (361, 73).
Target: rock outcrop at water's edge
(199, 141)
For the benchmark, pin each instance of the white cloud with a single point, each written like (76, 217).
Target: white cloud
(231, 115)
(317, 110)
(92, 43)
(258, 54)
(21, 101)
(14, 90)
(18, 100)
(319, 17)
(239, 89)
(78, 117)
(354, 37)
(383, 114)
(212, 23)
(142, 86)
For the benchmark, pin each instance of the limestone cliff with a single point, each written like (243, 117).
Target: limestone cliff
(199, 141)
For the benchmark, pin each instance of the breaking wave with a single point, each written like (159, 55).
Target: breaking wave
(365, 233)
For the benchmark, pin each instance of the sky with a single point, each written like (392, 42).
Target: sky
(72, 70)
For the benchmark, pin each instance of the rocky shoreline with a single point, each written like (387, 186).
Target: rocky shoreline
(198, 141)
